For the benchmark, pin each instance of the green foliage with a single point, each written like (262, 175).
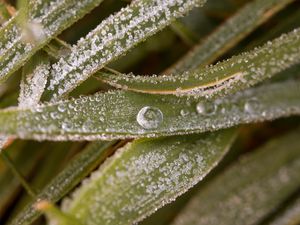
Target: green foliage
(218, 128)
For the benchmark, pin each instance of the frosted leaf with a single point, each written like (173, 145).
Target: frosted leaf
(113, 115)
(229, 76)
(145, 175)
(250, 189)
(112, 38)
(46, 20)
(247, 19)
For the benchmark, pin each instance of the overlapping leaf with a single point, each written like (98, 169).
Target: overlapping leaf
(226, 77)
(228, 34)
(144, 175)
(66, 180)
(250, 189)
(46, 19)
(114, 37)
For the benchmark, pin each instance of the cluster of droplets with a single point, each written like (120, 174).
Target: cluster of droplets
(113, 37)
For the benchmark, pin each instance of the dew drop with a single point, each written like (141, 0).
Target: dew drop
(61, 108)
(149, 117)
(184, 112)
(251, 105)
(206, 108)
(66, 126)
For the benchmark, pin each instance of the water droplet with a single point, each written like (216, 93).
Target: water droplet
(184, 112)
(149, 117)
(66, 126)
(251, 105)
(206, 108)
(61, 108)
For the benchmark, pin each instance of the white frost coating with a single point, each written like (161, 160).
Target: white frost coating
(46, 19)
(113, 37)
(32, 86)
(144, 176)
(247, 191)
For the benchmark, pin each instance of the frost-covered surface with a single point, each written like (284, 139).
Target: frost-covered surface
(231, 32)
(113, 37)
(46, 19)
(236, 73)
(250, 189)
(32, 86)
(114, 114)
(145, 175)
(33, 83)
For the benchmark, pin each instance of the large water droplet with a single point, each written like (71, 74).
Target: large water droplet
(206, 108)
(149, 117)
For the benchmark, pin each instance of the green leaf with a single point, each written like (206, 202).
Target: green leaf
(250, 189)
(46, 20)
(114, 37)
(229, 34)
(224, 78)
(120, 114)
(66, 180)
(145, 175)
(289, 215)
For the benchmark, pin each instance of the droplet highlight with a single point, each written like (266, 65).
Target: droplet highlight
(206, 108)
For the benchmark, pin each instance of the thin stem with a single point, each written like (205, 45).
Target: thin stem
(9, 162)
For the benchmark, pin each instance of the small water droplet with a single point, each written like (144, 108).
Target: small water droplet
(251, 105)
(149, 117)
(61, 108)
(184, 112)
(66, 126)
(206, 108)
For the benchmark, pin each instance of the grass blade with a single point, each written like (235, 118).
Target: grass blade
(120, 114)
(46, 20)
(249, 189)
(144, 175)
(112, 38)
(227, 35)
(289, 216)
(223, 78)
(76, 170)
